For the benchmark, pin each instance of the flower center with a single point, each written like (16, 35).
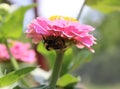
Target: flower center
(54, 42)
(52, 18)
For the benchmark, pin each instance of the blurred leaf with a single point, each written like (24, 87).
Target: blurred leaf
(17, 87)
(68, 57)
(80, 58)
(12, 27)
(4, 11)
(110, 33)
(71, 61)
(14, 76)
(101, 70)
(5, 1)
(50, 55)
(39, 87)
(66, 80)
(92, 2)
(105, 6)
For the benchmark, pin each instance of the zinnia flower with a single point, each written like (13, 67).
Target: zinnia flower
(22, 52)
(59, 32)
(3, 52)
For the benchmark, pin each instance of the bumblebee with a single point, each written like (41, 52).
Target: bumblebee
(54, 42)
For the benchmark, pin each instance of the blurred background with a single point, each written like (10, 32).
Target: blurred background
(100, 70)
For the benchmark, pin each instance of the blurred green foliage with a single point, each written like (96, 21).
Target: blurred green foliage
(4, 11)
(14, 76)
(105, 66)
(109, 30)
(93, 86)
(12, 25)
(73, 58)
(105, 6)
(66, 80)
(5, 1)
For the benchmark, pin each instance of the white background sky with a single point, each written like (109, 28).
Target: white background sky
(55, 7)
(60, 7)
(47, 8)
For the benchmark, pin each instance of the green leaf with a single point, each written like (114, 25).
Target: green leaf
(38, 87)
(79, 58)
(14, 76)
(50, 55)
(105, 6)
(68, 57)
(17, 87)
(66, 79)
(12, 27)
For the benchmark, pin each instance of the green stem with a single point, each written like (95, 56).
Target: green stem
(80, 11)
(15, 64)
(13, 61)
(56, 69)
(25, 83)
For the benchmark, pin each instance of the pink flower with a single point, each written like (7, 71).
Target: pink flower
(59, 32)
(22, 52)
(3, 52)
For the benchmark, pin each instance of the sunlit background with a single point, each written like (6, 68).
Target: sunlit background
(100, 70)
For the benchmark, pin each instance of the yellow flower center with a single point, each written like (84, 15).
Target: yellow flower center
(52, 18)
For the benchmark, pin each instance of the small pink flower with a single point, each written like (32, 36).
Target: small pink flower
(59, 32)
(22, 52)
(3, 52)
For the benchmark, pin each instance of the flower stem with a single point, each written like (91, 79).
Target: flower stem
(13, 61)
(56, 69)
(81, 10)
(15, 64)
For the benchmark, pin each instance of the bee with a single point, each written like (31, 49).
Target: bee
(54, 42)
